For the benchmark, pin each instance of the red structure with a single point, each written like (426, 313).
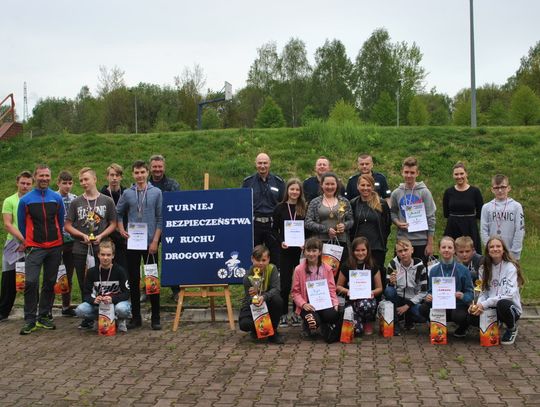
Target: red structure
(8, 126)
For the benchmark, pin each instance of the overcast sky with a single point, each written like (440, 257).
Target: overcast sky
(58, 46)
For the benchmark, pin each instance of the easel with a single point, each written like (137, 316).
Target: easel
(206, 291)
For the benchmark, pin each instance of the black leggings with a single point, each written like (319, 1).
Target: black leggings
(507, 313)
(314, 319)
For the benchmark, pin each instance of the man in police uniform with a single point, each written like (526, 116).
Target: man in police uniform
(365, 166)
(311, 185)
(268, 190)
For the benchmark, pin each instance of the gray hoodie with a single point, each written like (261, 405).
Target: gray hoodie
(402, 196)
(504, 219)
(151, 208)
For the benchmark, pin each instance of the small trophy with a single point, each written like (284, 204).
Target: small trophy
(477, 292)
(341, 212)
(256, 282)
(91, 225)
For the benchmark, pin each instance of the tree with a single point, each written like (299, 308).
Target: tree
(332, 77)
(270, 115)
(295, 71)
(343, 112)
(189, 86)
(110, 80)
(525, 107)
(210, 119)
(438, 107)
(384, 111)
(418, 114)
(528, 73)
(250, 100)
(264, 71)
(381, 65)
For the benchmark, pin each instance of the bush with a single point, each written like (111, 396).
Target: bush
(343, 112)
(270, 115)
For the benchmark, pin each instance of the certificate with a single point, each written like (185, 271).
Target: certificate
(294, 233)
(443, 291)
(359, 284)
(138, 236)
(319, 294)
(11, 251)
(415, 216)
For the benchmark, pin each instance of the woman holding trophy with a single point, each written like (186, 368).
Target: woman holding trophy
(501, 279)
(330, 217)
(262, 304)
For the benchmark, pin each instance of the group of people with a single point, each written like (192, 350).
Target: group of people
(358, 218)
(88, 235)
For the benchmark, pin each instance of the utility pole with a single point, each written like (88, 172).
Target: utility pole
(397, 101)
(25, 104)
(473, 75)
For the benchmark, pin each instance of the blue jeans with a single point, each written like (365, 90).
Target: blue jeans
(91, 311)
(412, 314)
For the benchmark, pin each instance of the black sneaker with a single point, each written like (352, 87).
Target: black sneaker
(156, 326)
(460, 332)
(68, 312)
(28, 328)
(277, 339)
(3, 318)
(134, 323)
(509, 336)
(87, 324)
(45, 323)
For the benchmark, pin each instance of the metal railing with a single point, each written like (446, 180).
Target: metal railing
(10, 111)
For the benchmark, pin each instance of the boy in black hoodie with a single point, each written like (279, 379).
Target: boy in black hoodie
(107, 283)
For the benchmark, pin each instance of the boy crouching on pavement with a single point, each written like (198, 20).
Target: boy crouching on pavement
(107, 283)
(407, 285)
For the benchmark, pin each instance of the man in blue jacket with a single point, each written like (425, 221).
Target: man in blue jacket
(40, 216)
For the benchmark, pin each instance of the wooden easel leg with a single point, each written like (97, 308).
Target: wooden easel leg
(229, 307)
(178, 309)
(212, 306)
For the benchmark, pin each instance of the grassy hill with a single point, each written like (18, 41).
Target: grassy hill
(228, 156)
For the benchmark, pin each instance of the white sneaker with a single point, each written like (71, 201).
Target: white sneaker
(296, 320)
(122, 325)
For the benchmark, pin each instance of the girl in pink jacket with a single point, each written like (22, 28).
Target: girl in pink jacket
(309, 273)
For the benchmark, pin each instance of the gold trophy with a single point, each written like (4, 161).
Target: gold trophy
(256, 282)
(477, 292)
(91, 225)
(341, 212)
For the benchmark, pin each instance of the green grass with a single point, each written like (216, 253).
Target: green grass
(228, 156)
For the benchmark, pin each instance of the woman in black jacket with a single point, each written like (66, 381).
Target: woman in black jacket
(371, 220)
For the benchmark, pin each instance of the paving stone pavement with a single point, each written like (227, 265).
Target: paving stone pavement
(206, 364)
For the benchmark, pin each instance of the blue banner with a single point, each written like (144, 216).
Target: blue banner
(207, 236)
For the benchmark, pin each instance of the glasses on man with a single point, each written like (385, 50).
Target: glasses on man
(500, 187)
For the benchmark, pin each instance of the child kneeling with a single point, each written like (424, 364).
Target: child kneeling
(310, 270)
(269, 294)
(105, 283)
(364, 309)
(407, 285)
(501, 280)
